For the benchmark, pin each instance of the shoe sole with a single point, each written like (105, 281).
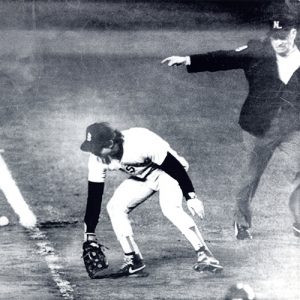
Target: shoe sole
(244, 238)
(131, 272)
(296, 231)
(213, 268)
(139, 274)
(117, 275)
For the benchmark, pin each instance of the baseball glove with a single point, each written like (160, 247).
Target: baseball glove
(94, 258)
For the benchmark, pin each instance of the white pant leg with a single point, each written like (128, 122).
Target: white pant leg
(170, 199)
(126, 197)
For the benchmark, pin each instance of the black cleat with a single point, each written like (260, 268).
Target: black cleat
(133, 265)
(242, 232)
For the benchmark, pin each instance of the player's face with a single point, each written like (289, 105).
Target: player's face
(106, 153)
(284, 44)
(103, 153)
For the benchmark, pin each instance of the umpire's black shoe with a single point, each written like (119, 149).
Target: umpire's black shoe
(242, 232)
(296, 229)
(132, 265)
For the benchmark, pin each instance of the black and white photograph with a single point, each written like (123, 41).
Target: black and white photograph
(150, 149)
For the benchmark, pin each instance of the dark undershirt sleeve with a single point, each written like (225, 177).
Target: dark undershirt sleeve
(175, 169)
(93, 206)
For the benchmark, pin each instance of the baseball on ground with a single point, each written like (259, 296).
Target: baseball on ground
(4, 221)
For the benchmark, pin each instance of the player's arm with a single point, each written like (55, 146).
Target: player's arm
(93, 209)
(93, 256)
(176, 170)
(161, 154)
(96, 178)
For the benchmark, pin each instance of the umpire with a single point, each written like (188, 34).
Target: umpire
(270, 115)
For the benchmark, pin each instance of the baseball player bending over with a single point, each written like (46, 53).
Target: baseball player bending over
(153, 166)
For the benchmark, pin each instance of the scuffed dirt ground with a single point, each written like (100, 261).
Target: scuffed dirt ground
(41, 141)
(24, 273)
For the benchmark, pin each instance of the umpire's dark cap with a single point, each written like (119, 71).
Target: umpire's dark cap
(281, 24)
(98, 135)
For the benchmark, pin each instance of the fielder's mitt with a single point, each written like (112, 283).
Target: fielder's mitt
(94, 258)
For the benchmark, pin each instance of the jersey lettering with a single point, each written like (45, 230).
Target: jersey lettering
(130, 169)
(89, 137)
(276, 25)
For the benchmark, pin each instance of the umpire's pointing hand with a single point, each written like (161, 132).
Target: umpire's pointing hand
(176, 60)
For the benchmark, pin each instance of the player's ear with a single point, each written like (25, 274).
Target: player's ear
(109, 144)
(293, 33)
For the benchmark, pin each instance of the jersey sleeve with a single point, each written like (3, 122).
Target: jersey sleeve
(93, 205)
(96, 177)
(157, 149)
(96, 169)
(176, 170)
(181, 159)
(154, 147)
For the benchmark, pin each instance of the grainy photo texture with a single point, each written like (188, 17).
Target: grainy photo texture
(150, 149)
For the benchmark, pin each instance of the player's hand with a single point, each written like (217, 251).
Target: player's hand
(175, 60)
(196, 206)
(94, 258)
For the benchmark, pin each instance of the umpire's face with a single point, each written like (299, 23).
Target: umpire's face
(284, 43)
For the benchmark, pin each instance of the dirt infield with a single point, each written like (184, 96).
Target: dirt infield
(47, 100)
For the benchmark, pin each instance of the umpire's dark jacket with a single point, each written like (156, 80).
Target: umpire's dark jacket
(268, 98)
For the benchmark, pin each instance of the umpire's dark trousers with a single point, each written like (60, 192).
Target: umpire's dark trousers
(256, 156)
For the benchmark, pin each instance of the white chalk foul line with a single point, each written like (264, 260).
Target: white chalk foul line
(28, 220)
(48, 252)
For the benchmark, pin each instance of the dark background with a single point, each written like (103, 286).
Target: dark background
(72, 14)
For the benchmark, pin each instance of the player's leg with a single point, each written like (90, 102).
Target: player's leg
(257, 154)
(126, 197)
(170, 199)
(290, 151)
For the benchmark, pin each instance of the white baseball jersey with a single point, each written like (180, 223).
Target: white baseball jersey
(143, 152)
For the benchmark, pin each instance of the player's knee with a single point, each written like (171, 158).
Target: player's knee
(171, 212)
(111, 209)
(179, 218)
(114, 210)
